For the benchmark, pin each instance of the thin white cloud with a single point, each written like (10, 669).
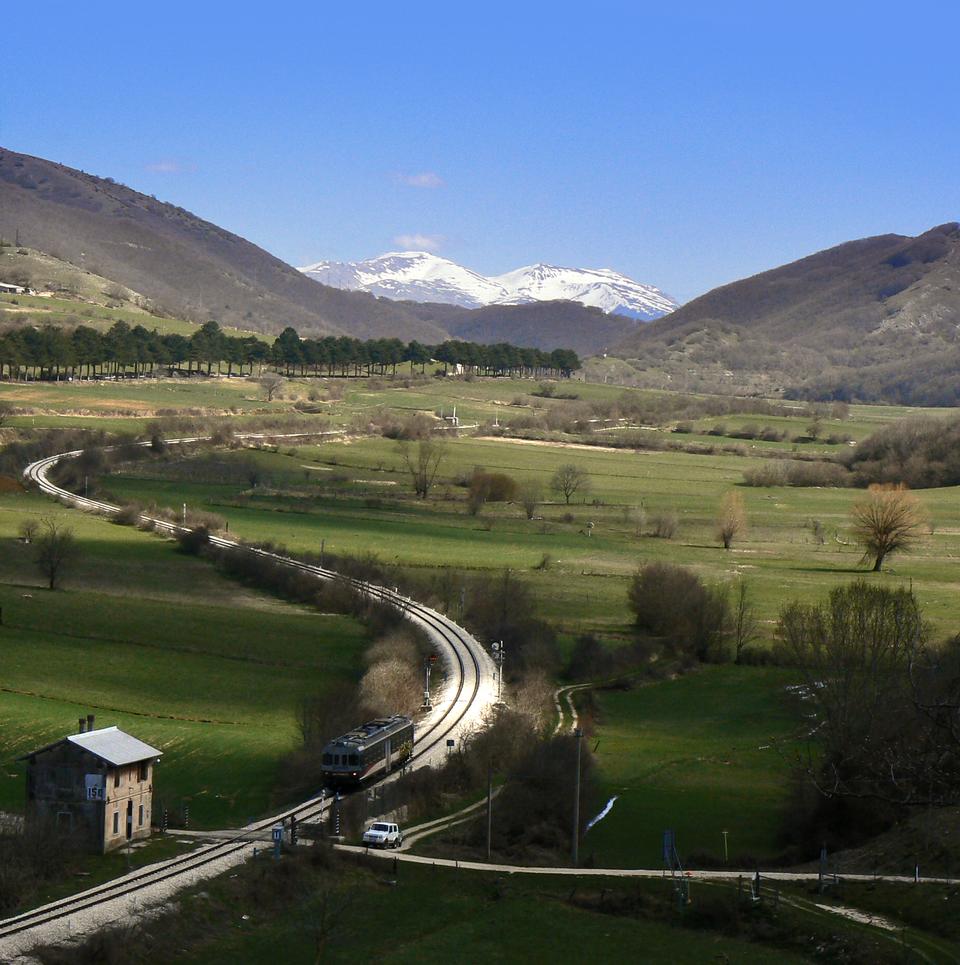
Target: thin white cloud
(169, 166)
(422, 179)
(418, 242)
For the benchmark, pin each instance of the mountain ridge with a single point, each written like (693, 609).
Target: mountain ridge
(425, 277)
(872, 319)
(190, 268)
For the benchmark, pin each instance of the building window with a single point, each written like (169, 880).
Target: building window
(117, 777)
(144, 771)
(141, 815)
(116, 822)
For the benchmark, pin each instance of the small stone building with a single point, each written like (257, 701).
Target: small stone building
(97, 785)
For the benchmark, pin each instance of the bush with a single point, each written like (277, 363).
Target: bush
(664, 525)
(194, 541)
(922, 452)
(828, 474)
(490, 487)
(673, 603)
(128, 515)
(778, 472)
(770, 473)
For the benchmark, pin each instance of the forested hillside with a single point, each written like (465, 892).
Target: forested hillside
(869, 320)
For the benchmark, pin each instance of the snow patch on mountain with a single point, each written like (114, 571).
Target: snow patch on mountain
(423, 277)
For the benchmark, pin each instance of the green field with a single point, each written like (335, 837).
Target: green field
(355, 496)
(158, 643)
(434, 915)
(311, 908)
(698, 755)
(683, 754)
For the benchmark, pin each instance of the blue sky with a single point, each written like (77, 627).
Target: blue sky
(684, 144)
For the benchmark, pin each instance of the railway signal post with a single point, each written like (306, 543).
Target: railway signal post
(499, 652)
(428, 663)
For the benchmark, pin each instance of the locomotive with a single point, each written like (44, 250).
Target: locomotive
(371, 749)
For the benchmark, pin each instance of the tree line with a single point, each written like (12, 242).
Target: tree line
(54, 352)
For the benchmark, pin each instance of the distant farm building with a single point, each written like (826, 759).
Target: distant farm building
(6, 289)
(97, 785)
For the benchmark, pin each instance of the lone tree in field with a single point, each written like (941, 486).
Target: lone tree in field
(887, 520)
(732, 519)
(745, 627)
(568, 480)
(531, 495)
(423, 463)
(271, 383)
(56, 550)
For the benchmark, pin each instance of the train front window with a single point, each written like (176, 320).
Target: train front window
(354, 759)
(328, 758)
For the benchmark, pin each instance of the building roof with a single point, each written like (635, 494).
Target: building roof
(110, 744)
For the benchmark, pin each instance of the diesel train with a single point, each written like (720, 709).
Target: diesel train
(372, 749)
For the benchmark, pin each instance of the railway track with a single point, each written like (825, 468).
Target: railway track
(466, 696)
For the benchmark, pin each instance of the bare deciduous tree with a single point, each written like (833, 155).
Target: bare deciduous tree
(56, 549)
(570, 479)
(423, 463)
(272, 384)
(744, 625)
(28, 530)
(887, 709)
(887, 520)
(531, 495)
(732, 519)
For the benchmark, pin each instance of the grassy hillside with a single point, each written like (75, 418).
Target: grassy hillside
(89, 233)
(873, 320)
(177, 260)
(159, 644)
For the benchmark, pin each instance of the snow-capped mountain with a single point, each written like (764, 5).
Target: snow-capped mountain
(597, 287)
(422, 277)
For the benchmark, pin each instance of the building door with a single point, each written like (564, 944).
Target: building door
(129, 820)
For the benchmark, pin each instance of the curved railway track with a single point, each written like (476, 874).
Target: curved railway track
(468, 693)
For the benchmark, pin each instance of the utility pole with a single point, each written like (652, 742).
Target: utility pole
(489, 806)
(323, 544)
(578, 733)
(183, 515)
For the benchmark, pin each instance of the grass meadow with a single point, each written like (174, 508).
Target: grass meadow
(214, 673)
(705, 753)
(355, 496)
(162, 646)
(432, 915)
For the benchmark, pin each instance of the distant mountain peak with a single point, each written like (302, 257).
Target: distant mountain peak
(424, 277)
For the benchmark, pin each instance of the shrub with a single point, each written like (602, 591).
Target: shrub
(673, 603)
(825, 474)
(770, 473)
(664, 525)
(128, 515)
